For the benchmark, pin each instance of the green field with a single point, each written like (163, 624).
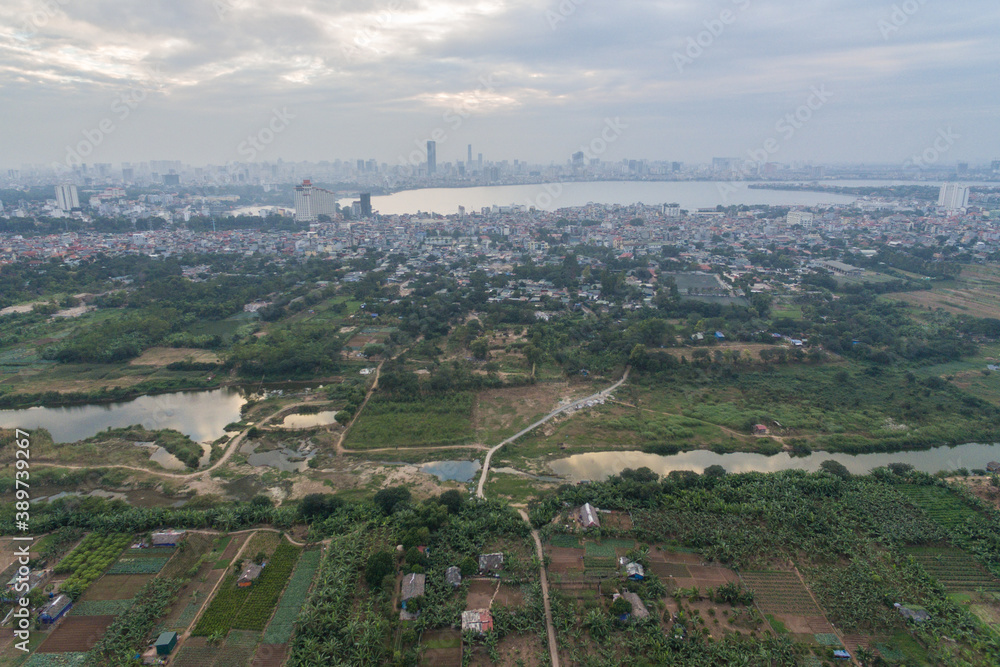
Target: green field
(437, 420)
(955, 569)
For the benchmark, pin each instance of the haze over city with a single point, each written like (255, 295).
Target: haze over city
(530, 80)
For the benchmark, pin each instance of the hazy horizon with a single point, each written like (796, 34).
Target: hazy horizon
(834, 81)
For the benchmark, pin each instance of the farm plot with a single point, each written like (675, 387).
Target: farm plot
(442, 648)
(101, 607)
(196, 652)
(564, 541)
(617, 521)
(75, 659)
(89, 560)
(238, 650)
(279, 630)
(118, 587)
(940, 505)
(781, 592)
(143, 565)
(599, 556)
(955, 569)
(249, 608)
(563, 559)
(76, 634)
(270, 655)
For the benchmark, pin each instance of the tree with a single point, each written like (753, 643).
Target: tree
(715, 471)
(379, 565)
(387, 499)
(621, 607)
(453, 500)
(468, 566)
(835, 468)
(480, 348)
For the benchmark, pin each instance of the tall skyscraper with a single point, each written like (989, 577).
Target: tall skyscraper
(953, 197)
(431, 158)
(366, 204)
(469, 161)
(312, 202)
(67, 197)
(480, 162)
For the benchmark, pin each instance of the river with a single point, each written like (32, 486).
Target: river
(601, 465)
(201, 415)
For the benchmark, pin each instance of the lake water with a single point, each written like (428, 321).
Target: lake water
(200, 415)
(601, 465)
(458, 471)
(324, 418)
(549, 197)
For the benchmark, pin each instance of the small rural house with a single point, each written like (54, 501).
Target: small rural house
(587, 516)
(632, 570)
(165, 643)
(249, 574)
(167, 538)
(760, 429)
(490, 563)
(413, 587)
(639, 611)
(453, 576)
(479, 621)
(54, 610)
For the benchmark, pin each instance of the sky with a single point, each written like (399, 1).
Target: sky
(216, 81)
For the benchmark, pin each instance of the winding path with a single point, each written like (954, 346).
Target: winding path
(555, 413)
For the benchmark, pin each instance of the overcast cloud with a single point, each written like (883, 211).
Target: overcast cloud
(523, 79)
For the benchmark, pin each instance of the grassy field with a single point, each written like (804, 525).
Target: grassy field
(426, 421)
(975, 292)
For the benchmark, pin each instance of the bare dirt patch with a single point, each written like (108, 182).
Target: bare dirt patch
(76, 633)
(116, 587)
(563, 559)
(480, 593)
(164, 356)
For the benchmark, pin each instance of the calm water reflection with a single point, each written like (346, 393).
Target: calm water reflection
(458, 471)
(200, 415)
(601, 465)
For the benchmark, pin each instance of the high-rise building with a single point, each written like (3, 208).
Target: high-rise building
(469, 161)
(67, 197)
(312, 202)
(171, 179)
(804, 218)
(953, 197)
(431, 158)
(366, 205)
(128, 174)
(480, 166)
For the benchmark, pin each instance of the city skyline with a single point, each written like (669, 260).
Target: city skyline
(238, 80)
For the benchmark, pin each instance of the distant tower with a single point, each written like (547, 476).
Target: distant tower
(953, 197)
(67, 197)
(469, 161)
(480, 162)
(431, 158)
(366, 205)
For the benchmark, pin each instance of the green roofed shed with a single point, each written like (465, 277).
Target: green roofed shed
(165, 643)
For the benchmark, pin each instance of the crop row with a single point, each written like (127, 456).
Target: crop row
(138, 565)
(248, 608)
(279, 630)
(89, 560)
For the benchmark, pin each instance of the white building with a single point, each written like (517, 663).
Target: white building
(312, 202)
(953, 197)
(804, 218)
(67, 197)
